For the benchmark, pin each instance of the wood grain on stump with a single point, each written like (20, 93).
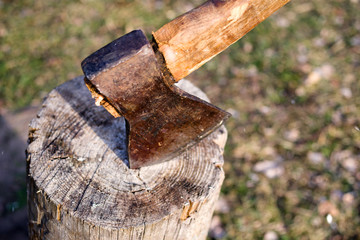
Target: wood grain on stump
(80, 187)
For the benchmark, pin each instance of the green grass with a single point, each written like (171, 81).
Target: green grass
(283, 109)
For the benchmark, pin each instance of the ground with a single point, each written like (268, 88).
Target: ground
(292, 86)
(13, 137)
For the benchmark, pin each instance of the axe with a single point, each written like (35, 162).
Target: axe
(134, 77)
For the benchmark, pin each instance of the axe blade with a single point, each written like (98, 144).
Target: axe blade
(163, 120)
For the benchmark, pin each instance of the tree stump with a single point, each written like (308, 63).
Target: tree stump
(80, 187)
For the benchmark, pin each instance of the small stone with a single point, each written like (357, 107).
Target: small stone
(316, 222)
(282, 22)
(349, 199)
(313, 78)
(271, 235)
(248, 47)
(329, 218)
(350, 164)
(300, 91)
(271, 169)
(315, 157)
(265, 110)
(346, 92)
(326, 71)
(346, 159)
(292, 135)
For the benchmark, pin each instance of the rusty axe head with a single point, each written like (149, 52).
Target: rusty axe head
(134, 78)
(162, 119)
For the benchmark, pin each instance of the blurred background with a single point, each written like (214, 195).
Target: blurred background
(291, 84)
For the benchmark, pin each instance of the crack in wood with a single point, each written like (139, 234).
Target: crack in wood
(86, 187)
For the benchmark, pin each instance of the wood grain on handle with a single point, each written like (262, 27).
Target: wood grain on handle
(194, 38)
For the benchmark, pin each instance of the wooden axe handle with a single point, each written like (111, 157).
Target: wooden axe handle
(194, 38)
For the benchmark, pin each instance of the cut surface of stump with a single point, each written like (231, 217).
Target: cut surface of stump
(80, 186)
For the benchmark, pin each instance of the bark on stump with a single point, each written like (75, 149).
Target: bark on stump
(79, 186)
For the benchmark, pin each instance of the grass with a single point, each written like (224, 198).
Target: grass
(291, 85)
